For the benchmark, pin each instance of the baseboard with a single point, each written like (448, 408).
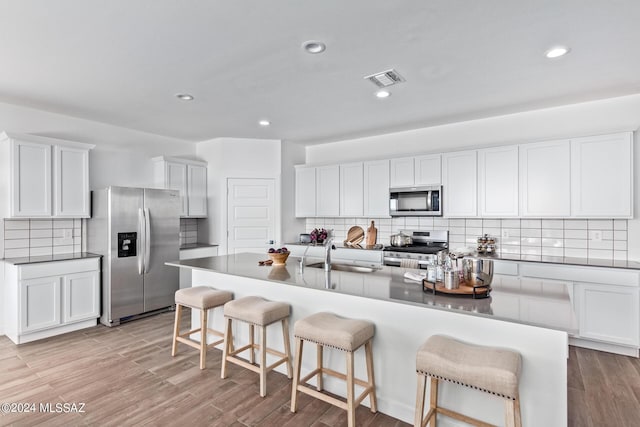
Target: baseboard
(601, 346)
(47, 333)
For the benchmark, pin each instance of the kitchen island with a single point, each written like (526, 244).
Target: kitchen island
(532, 317)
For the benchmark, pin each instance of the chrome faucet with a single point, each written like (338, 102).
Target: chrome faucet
(302, 259)
(327, 254)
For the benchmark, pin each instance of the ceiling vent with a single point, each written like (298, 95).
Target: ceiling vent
(385, 78)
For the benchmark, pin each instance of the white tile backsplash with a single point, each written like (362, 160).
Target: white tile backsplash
(35, 237)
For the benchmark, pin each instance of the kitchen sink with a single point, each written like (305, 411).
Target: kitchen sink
(346, 267)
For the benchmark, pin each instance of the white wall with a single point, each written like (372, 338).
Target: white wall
(589, 118)
(235, 158)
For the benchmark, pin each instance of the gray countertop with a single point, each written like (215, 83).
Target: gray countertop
(197, 246)
(50, 258)
(584, 262)
(538, 303)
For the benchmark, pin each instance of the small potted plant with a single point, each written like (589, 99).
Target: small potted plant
(318, 235)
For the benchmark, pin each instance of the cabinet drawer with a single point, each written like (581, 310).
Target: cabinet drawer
(57, 268)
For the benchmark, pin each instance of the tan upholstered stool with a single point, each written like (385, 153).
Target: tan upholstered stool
(201, 298)
(489, 369)
(327, 329)
(260, 312)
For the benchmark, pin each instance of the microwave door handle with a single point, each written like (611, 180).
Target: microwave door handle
(429, 208)
(147, 240)
(140, 241)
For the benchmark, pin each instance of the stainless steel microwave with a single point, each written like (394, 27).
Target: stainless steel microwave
(416, 201)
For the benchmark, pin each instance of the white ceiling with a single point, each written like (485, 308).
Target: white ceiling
(122, 62)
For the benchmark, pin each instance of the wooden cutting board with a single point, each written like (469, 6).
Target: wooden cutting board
(355, 235)
(372, 234)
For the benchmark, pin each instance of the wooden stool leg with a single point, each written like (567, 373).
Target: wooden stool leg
(433, 404)
(351, 410)
(319, 357)
(518, 415)
(296, 375)
(420, 395)
(176, 330)
(287, 346)
(263, 361)
(203, 338)
(252, 357)
(226, 347)
(368, 348)
(509, 413)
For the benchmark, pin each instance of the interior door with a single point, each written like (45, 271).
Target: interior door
(162, 208)
(251, 219)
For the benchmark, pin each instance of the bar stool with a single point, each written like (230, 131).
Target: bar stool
(201, 298)
(489, 369)
(348, 335)
(256, 311)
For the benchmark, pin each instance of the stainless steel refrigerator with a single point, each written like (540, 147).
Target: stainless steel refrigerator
(136, 230)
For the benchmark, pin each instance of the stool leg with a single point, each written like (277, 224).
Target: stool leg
(287, 346)
(368, 347)
(420, 394)
(319, 357)
(263, 361)
(351, 413)
(296, 375)
(509, 413)
(203, 338)
(518, 415)
(176, 330)
(433, 402)
(226, 346)
(252, 357)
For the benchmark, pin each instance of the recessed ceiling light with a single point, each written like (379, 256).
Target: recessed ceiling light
(557, 52)
(264, 122)
(184, 97)
(313, 46)
(383, 94)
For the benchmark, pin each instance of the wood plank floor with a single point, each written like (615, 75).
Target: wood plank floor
(126, 376)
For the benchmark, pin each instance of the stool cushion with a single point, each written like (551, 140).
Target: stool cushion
(334, 331)
(257, 310)
(490, 369)
(202, 297)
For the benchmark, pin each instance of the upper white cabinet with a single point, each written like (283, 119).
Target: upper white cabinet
(376, 188)
(498, 181)
(328, 190)
(305, 203)
(420, 170)
(602, 176)
(351, 189)
(459, 182)
(187, 176)
(545, 179)
(47, 177)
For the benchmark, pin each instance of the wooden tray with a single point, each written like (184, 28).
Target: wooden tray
(464, 290)
(355, 236)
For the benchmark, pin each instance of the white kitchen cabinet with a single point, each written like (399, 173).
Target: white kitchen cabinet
(602, 176)
(608, 313)
(351, 189)
(459, 184)
(47, 177)
(50, 298)
(498, 182)
(305, 203)
(402, 172)
(428, 170)
(328, 191)
(192, 253)
(545, 179)
(187, 176)
(376, 188)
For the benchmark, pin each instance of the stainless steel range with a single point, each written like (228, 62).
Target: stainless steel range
(422, 252)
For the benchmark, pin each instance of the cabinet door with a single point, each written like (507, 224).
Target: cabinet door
(175, 178)
(197, 191)
(545, 179)
(71, 182)
(328, 191)
(609, 313)
(498, 181)
(602, 176)
(376, 188)
(351, 190)
(31, 179)
(402, 172)
(305, 192)
(459, 184)
(81, 296)
(427, 170)
(39, 303)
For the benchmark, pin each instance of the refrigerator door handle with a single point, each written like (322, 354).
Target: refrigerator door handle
(147, 240)
(140, 243)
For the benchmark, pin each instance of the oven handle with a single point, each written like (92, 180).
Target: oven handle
(390, 259)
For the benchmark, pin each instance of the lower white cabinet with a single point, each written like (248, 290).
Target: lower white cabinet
(192, 253)
(51, 298)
